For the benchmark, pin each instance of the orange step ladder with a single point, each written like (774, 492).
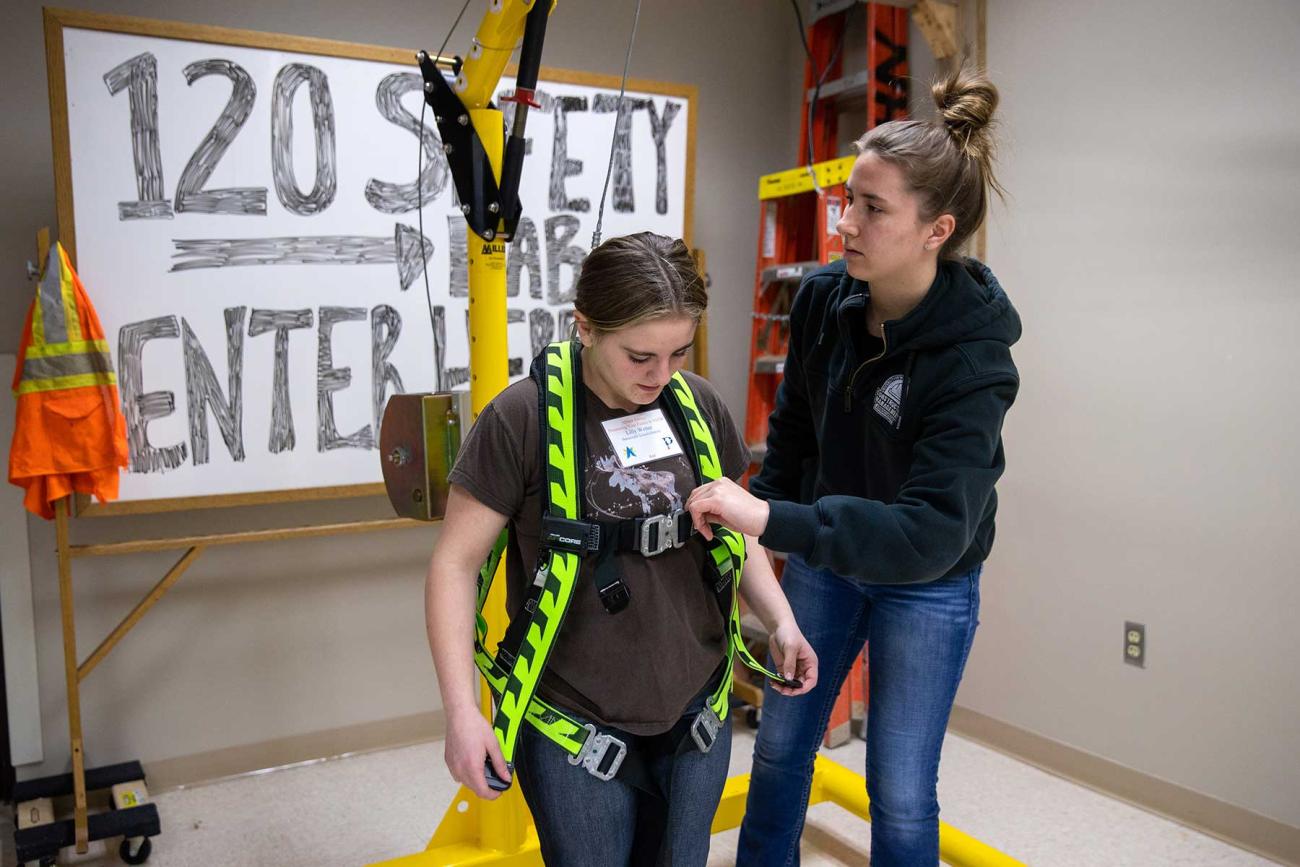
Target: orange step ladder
(796, 232)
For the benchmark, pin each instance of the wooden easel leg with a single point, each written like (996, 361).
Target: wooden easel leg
(61, 509)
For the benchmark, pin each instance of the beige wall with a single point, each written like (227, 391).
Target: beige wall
(267, 642)
(1153, 159)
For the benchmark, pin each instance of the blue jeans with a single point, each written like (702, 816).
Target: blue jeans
(583, 821)
(919, 637)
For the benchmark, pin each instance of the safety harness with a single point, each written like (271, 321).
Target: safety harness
(567, 538)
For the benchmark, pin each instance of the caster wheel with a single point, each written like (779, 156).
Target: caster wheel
(141, 854)
(752, 717)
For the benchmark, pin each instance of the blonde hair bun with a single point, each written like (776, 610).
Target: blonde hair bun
(967, 100)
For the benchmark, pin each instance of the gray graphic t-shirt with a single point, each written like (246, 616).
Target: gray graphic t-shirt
(638, 669)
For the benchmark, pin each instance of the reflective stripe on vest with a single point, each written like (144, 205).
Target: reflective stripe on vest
(59, 356)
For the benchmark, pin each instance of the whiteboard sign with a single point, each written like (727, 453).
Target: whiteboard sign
(247, 226)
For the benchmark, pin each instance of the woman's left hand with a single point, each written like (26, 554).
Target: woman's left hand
(725, 502)
(794, 658)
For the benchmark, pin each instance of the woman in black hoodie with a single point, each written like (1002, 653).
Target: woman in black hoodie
(882, 456)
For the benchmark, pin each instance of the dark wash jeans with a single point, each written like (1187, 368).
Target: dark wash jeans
(586, 822)
(919, 637)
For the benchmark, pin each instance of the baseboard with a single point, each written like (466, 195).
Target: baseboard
(1240, 827)
(200, 768)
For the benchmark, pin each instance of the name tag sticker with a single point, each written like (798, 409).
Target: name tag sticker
(641, 438)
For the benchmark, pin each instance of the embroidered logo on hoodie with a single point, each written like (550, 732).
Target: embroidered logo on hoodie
(889, 399)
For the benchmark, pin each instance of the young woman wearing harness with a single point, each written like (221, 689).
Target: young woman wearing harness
(642, 673)
(879, 477)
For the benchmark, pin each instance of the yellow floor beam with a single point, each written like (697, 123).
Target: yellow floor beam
(835, 783)
(458, 840)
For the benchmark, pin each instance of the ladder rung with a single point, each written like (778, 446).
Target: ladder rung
(757, 451)
(769, 364)
(852, 85)
(788, 271)
(831, 7)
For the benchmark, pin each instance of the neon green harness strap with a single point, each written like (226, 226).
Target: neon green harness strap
(550, 721)
(727, 549)
(560, 573)
(514, 682)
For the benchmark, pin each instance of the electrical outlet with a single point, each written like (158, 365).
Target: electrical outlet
(1135, 644)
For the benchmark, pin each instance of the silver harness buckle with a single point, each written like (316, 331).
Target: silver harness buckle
(705, 728)
(666, 537)
(592, 754)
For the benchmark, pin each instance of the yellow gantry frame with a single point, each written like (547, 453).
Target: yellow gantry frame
(501, 832)
(455, 842)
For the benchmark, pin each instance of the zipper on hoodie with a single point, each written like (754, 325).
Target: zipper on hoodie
(848, 392)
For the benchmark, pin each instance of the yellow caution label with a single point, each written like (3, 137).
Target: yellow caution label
(130, 794)
(799, 180)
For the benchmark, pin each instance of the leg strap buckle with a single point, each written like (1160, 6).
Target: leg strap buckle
(705, 728)
(594, 752)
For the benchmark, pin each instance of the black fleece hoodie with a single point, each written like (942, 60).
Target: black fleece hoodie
(882, 455)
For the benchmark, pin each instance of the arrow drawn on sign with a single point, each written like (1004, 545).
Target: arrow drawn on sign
(407, 247)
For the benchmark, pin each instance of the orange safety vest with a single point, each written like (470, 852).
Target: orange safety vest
(69, 434)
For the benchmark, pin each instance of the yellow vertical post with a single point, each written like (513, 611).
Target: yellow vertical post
(475, 832)
(503, 821)
(488, 364)
(487, 283)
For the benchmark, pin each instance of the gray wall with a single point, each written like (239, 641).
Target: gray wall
(1153, 159)
(272, 641)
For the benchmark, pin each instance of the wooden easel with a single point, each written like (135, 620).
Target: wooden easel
(193, 546)
(74, 671)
